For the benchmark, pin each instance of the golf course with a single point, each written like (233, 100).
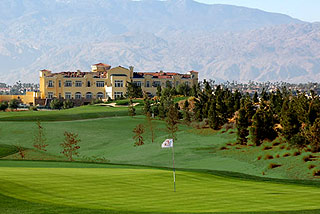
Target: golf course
(111, 175)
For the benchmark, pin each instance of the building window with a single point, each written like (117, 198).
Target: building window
(67, 95)
(100, 95)
(118, 83)
(88, 95)
(50, 95)
(137, 83)
(118, 95)
(156, 83)
(50, 83)
(88, 84)
(78, 95)
(78, 84)
(100, 83)
(68, 83)
(148, 84)
(59, 83)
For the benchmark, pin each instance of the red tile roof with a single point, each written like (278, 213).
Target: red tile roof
(102, 64)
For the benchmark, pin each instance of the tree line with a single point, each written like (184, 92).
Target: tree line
(291, 115)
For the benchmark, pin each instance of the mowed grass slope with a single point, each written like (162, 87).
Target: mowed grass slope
(77, 113)
(142, 189)
(111, 138)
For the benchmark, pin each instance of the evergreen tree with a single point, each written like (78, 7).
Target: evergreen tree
(242, 124)
(194, 90)
(146, 105)
(314, 135)
(289, 120)
(255, 97)
(237, 99)
(131, 109)
(257, 128)
(172, 121)
(214, 120)
(186, 115)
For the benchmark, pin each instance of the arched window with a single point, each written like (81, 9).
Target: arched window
(78, 95)
(100, 95)
(89, 95)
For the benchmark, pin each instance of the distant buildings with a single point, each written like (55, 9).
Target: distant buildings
(104, 82)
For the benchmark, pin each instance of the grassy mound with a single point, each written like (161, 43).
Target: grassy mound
(6, 150)
(137, 189)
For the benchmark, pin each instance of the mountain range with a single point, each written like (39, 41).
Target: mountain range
(222, 42)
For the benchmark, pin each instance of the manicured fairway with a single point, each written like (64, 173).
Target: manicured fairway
(150, 190)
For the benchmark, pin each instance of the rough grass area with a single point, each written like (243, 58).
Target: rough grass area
(141, 189)
(77, 113)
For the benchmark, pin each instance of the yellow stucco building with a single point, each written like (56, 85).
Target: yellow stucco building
(104, 82)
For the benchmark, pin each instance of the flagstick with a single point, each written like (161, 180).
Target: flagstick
(174, 171)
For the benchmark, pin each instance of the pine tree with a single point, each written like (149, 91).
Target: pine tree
(314, 135)
(39, 141)
(255, 97)
(242, 124)
(172, 121)
(289, 120)
(186, 115)
(257, 128)
(131, 109)
(214, 121)
(146, 105)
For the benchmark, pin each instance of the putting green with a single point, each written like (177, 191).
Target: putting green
(151, 190)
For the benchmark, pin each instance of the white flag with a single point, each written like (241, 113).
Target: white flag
(167, 143)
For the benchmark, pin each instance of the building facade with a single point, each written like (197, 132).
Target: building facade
(104, 82)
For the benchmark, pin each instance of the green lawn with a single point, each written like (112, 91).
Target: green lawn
(77, 113)
(209, 179)
(126, 189)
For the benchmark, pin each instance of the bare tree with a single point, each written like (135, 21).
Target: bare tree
(70, 145)
(39, 141)
(138, 130)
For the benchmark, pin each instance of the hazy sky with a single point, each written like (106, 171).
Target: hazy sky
(306, 10)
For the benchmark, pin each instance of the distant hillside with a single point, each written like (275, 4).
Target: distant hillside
(223, 42)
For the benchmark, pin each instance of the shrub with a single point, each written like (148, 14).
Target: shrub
(228, 126)
(33, 108)
(296, 153)
(268, 157)
(286, 154)
(267, 148)
(223, 148)
(14, 104)
(259, 157)
(56, 104)
(277, 156)
(298, 141)
(96, 101)
(67, 104)
(308, 158)
(273, 165)
(275, 143)
(3, 106)
(282, 147)
(122, 102)
(311, 166)
(316, 172)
